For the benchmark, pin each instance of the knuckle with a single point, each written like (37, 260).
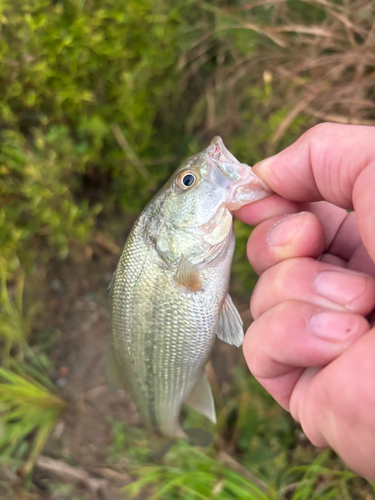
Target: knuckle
(320, 130)
(279, 284)
(263, 292)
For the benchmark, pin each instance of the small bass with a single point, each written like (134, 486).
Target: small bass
(169, 293)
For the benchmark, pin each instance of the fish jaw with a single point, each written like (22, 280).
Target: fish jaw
(249, 189)
(241, 184)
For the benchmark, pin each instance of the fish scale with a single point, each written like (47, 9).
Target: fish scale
(170, 288)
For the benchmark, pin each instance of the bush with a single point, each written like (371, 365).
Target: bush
(77, 83)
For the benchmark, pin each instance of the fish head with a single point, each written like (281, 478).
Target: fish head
(208, 183)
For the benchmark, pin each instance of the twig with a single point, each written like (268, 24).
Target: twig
(62, 469)
(237, 467)
(331, 117)
(291, 487)
(285, 124)
(128, 150)
(261, 30)
(81, 409)
(119, 478)
(110, 246)
(95, 392)
(253, 4)
(268, 32)
(309, 30)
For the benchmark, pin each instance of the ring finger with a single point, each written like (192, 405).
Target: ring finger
(318, 283)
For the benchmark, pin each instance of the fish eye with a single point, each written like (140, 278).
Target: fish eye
(186, 179)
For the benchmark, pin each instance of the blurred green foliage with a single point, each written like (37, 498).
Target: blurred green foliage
(69, 71)
(100, 100)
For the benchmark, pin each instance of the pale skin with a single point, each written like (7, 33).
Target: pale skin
(311, 344)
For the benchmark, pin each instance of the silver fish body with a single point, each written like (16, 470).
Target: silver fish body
(170, 289)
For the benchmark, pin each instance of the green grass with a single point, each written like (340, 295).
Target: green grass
(15, 324)
(188, 473)
(28, 414)
(29, 408)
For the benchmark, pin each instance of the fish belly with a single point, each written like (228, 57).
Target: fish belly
(161, 335)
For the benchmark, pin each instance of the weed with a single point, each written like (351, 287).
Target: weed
(128, 444)
(192, 474)
(28, 408)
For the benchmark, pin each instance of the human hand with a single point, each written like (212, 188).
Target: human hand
(310, 344)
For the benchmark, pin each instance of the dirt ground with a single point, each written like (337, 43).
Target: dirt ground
(77, 306)
(78, 309)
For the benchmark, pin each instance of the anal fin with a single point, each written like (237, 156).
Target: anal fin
(201, 399)
(230, 325)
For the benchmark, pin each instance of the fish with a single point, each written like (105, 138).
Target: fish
(169, 292)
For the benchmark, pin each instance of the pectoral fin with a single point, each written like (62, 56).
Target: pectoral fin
(230, 325)
(201, 399)
(188, 275)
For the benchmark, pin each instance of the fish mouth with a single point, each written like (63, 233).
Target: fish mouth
(240, 182)
(223, 159)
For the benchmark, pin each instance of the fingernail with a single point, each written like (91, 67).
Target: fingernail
(282, 233)
(340, 287)
(332, 326)
(261, 168)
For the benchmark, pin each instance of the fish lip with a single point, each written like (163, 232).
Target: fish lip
(247, 192)
(217, 147)
(240, 182)
(219, 157)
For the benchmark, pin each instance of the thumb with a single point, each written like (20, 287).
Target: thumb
(329, 162)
